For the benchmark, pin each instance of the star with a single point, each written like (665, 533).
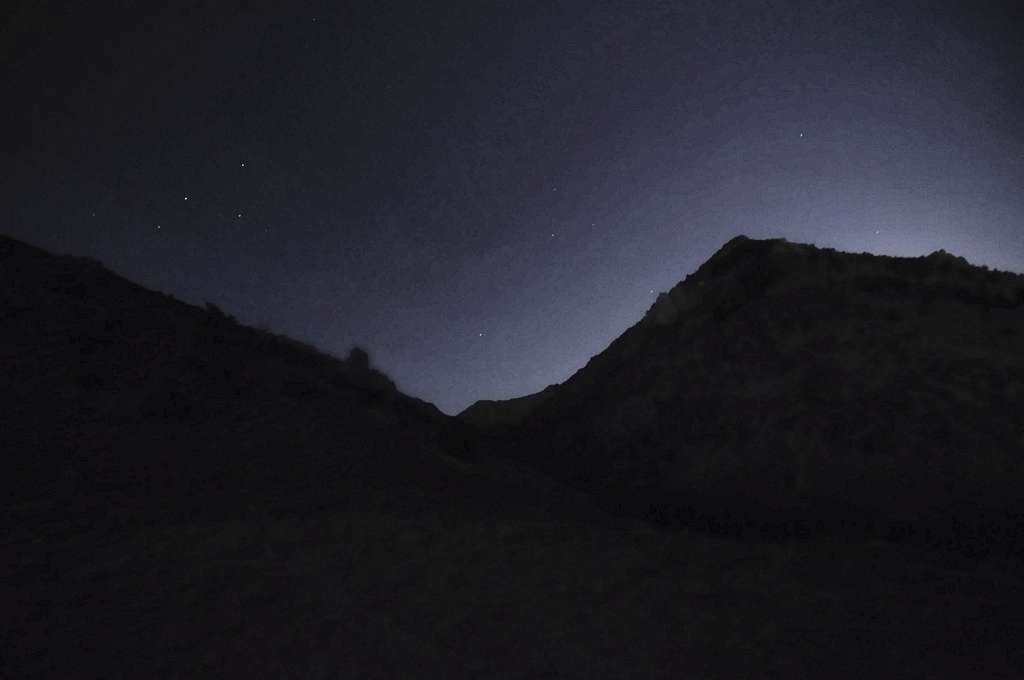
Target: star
(243, 165)
(186, 198)
(239, 214)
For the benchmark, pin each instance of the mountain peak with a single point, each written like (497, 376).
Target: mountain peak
(744, 269)
(781, 376)
(741, 256)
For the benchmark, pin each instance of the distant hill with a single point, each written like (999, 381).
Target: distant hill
(495, 413)
(784, 388)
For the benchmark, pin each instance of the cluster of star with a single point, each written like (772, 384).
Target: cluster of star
(186, 198)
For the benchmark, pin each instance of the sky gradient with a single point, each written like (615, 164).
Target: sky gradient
(485, 195)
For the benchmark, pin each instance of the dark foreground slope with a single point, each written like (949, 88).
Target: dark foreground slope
(187, 497)
(785, 389)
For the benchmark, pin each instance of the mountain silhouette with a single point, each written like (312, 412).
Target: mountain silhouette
(186, 496)
(783, 388)
(139, 402)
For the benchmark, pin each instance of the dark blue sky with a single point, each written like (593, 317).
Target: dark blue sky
(485, 195)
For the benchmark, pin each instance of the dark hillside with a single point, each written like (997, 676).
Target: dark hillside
(786, 389)
(133, 400)
(187, 497)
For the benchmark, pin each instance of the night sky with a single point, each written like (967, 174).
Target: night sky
(484, 196)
